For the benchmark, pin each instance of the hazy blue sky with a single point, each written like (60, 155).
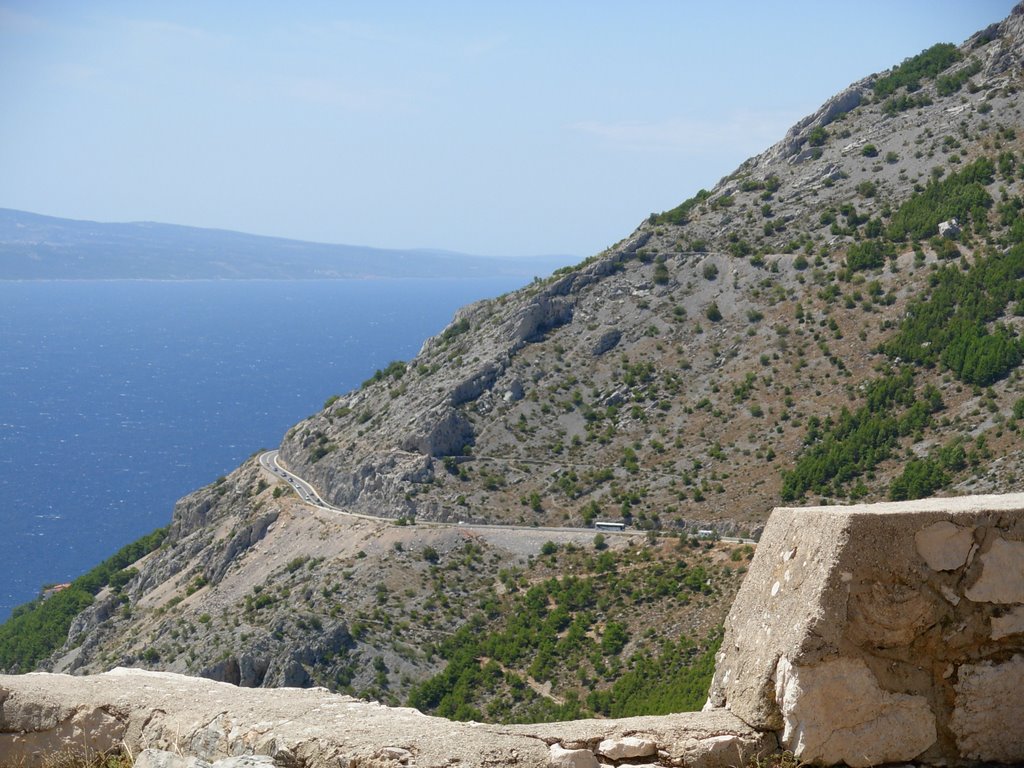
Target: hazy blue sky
(494, 128)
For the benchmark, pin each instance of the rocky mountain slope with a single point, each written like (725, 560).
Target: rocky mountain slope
(800, 332)
(670, 379)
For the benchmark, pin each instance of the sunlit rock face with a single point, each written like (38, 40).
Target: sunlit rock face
(173, 721)
(882, 633)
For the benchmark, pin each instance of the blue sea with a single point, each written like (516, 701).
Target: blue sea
(117, 398)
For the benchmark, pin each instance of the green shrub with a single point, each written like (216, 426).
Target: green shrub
(614, 638)
(121, 578)
(817, 136)
(955, 322)
(455, 329)
(920, 478)
(681, 213)
(947, 85)
(870, 254)
(660, 685)
(660, 274)
(867, 189)
(903, 102)
(842, 449)
(1018, 409)
(37, 629)
(926, 64)
(396, 369)
(962, 195)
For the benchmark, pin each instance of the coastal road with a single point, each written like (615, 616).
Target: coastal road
(270, 462)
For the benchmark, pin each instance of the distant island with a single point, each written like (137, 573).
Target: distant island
(37, 247)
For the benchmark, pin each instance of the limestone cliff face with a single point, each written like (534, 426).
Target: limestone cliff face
(380, 450)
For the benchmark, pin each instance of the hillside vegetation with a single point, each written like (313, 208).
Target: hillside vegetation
(802, 332)
(627, 633)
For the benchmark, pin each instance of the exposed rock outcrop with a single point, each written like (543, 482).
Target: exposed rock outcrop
(796, 137)
(607, 342)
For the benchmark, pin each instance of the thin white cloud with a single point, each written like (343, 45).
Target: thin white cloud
(345, 33)
(12, 21)
(77, 74)
(320, 91)
(357, 30)
(687, 135)
(169, 30)
(476, 48)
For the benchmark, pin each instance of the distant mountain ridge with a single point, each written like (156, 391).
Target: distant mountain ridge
(37, 247)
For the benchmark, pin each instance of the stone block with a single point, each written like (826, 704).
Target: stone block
(560, 757)
(626, 747)
(881, 633)
(988, 717)
(1002, 574)
(943, 545)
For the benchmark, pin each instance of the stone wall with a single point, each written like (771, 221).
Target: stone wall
(861, 635)
(880, 633)
(177, 717)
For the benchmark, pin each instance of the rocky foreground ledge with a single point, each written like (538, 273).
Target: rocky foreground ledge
(41, 714)
(862, 635)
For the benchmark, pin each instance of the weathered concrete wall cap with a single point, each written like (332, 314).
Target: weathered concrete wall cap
(186, 722)
(883, 633)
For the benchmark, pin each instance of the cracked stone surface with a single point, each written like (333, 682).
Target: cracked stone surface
(874, 633)
(211, 721)
(1002, 574)
(990, 711)
(836, 711)
(1012, 623)
(943, 545)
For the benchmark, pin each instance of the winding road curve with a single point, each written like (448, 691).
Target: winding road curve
(269, 461)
